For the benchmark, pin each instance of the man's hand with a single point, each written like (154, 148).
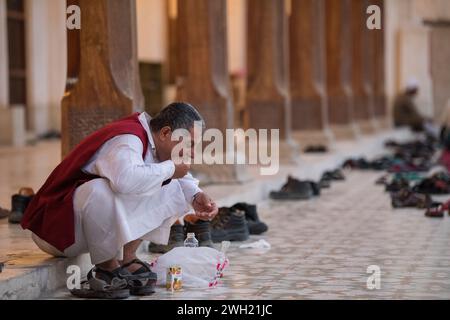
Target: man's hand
(204, 207)
(180, 170)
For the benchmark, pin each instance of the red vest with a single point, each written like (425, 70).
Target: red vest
(50, 215)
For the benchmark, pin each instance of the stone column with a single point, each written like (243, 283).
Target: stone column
(439, 56)
(73, 52)
(103, 78)
(362, 68)
(12, 117)
(4, 85)
(268, 100)
(339, 68)
(379, 90)
(5, 129)
(203, 60)
(307, 72)
(37, 35)
(57, 56)
(202, 75)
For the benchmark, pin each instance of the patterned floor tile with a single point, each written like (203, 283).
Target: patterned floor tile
(321, 249)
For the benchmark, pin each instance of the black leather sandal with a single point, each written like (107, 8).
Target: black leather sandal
(142, 281)
(102, 284)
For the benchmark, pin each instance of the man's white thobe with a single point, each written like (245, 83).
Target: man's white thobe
(128, 202)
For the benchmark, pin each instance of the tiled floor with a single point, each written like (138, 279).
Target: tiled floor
(321, 249)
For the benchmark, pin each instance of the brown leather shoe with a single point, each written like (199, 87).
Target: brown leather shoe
(408, 199)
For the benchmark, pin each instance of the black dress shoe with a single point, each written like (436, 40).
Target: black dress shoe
(19, 204)
(316, 149)
(255, 226)
(294, 189)
(333, 175)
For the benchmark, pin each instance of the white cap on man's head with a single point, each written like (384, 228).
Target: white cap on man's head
(412, 84)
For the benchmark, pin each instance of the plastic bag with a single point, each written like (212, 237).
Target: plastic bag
(201, 267)
(260, 244)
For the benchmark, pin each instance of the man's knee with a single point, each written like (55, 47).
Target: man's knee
(96, 191)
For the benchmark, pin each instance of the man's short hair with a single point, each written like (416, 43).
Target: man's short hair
(177, 115)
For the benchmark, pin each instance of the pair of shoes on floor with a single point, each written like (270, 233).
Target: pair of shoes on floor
(230, 224)
(178, 232)
(333, 175)
(329, 176)
(378, 164)
(438, 210)
(406, 198)
(358, 163)
(236, 223)
(397, 184)
(381, 163)
(408, 167)
(436, 184)
(383, 180)
(316, 149)
(398, 181)
(254, 224)
(19, 203)
(295, 189)
(416, 149)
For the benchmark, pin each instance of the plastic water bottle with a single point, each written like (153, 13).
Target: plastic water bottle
(191, 241)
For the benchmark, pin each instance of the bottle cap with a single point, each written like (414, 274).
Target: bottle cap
(191, 234)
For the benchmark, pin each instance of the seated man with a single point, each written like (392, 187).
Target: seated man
(405, 110)
(116, 188)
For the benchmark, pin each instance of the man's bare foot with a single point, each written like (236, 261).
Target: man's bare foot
(132, 267)
(129, 254)
(109, 265)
